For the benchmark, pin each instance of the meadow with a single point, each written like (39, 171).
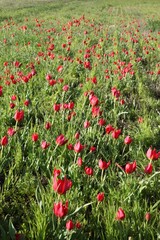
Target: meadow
(79, 120)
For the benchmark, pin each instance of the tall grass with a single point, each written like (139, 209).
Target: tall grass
(85, 75)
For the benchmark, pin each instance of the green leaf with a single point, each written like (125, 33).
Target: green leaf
(12, 230)
(3, 235)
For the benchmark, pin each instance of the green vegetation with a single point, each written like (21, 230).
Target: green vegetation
(80, 120)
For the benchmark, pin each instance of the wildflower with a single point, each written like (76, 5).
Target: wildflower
(89, 171)
(60, 210)
(60, 68)
(94, 100)
(93, 149)
(70, 146)
(12, 105)
(109, 129)
(152, 154)
(96, 111)
(78, 225)
(4, 141)
(101, 122)
(103, 164)
(11, 131)
(44, 145)
(79, 162)
(56, 107)
(120, 215)
(115, 92)
(148, 169)
(19, 115)
(78, 147)
(100, 197)
(48, 125)
(128, 140)
(86, 124)
(1, 90)
(35, 137)
(116, 133)
(69, 225)
(61, 186)
(60, 140)
(26, 102)
(77, 135)
(130, 167)
(65, 88)
(147, 216)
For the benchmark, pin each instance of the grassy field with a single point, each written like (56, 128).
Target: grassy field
(80, 120)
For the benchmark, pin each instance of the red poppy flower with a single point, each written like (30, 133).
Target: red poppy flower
(11, 131)
(78, 147)
(60, 68)
(44, 145)
(120, 215)
(100, 197)
(103, 164)
(89, 171)
(60, 210)
(69, 225)
(152, 154)
(128, 140)
(130, 167)
(61, 186)
(4, 141)
(60, 140)
(19, 115)
(35, 137)
(148, 169)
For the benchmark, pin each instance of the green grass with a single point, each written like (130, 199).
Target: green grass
(122, 40)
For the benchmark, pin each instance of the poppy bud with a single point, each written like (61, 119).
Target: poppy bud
(148, 169)
(4, 141)
(12, 105)
(26, 103)
(48, 125)
(100, 197)
(78, 225)
(77, 135)
(147, 216)
(1, 92)
(13, 97)
(70, 146)
(69, 225)
(79, 162)
(93, 149)
(88, 171)
(34, 137)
